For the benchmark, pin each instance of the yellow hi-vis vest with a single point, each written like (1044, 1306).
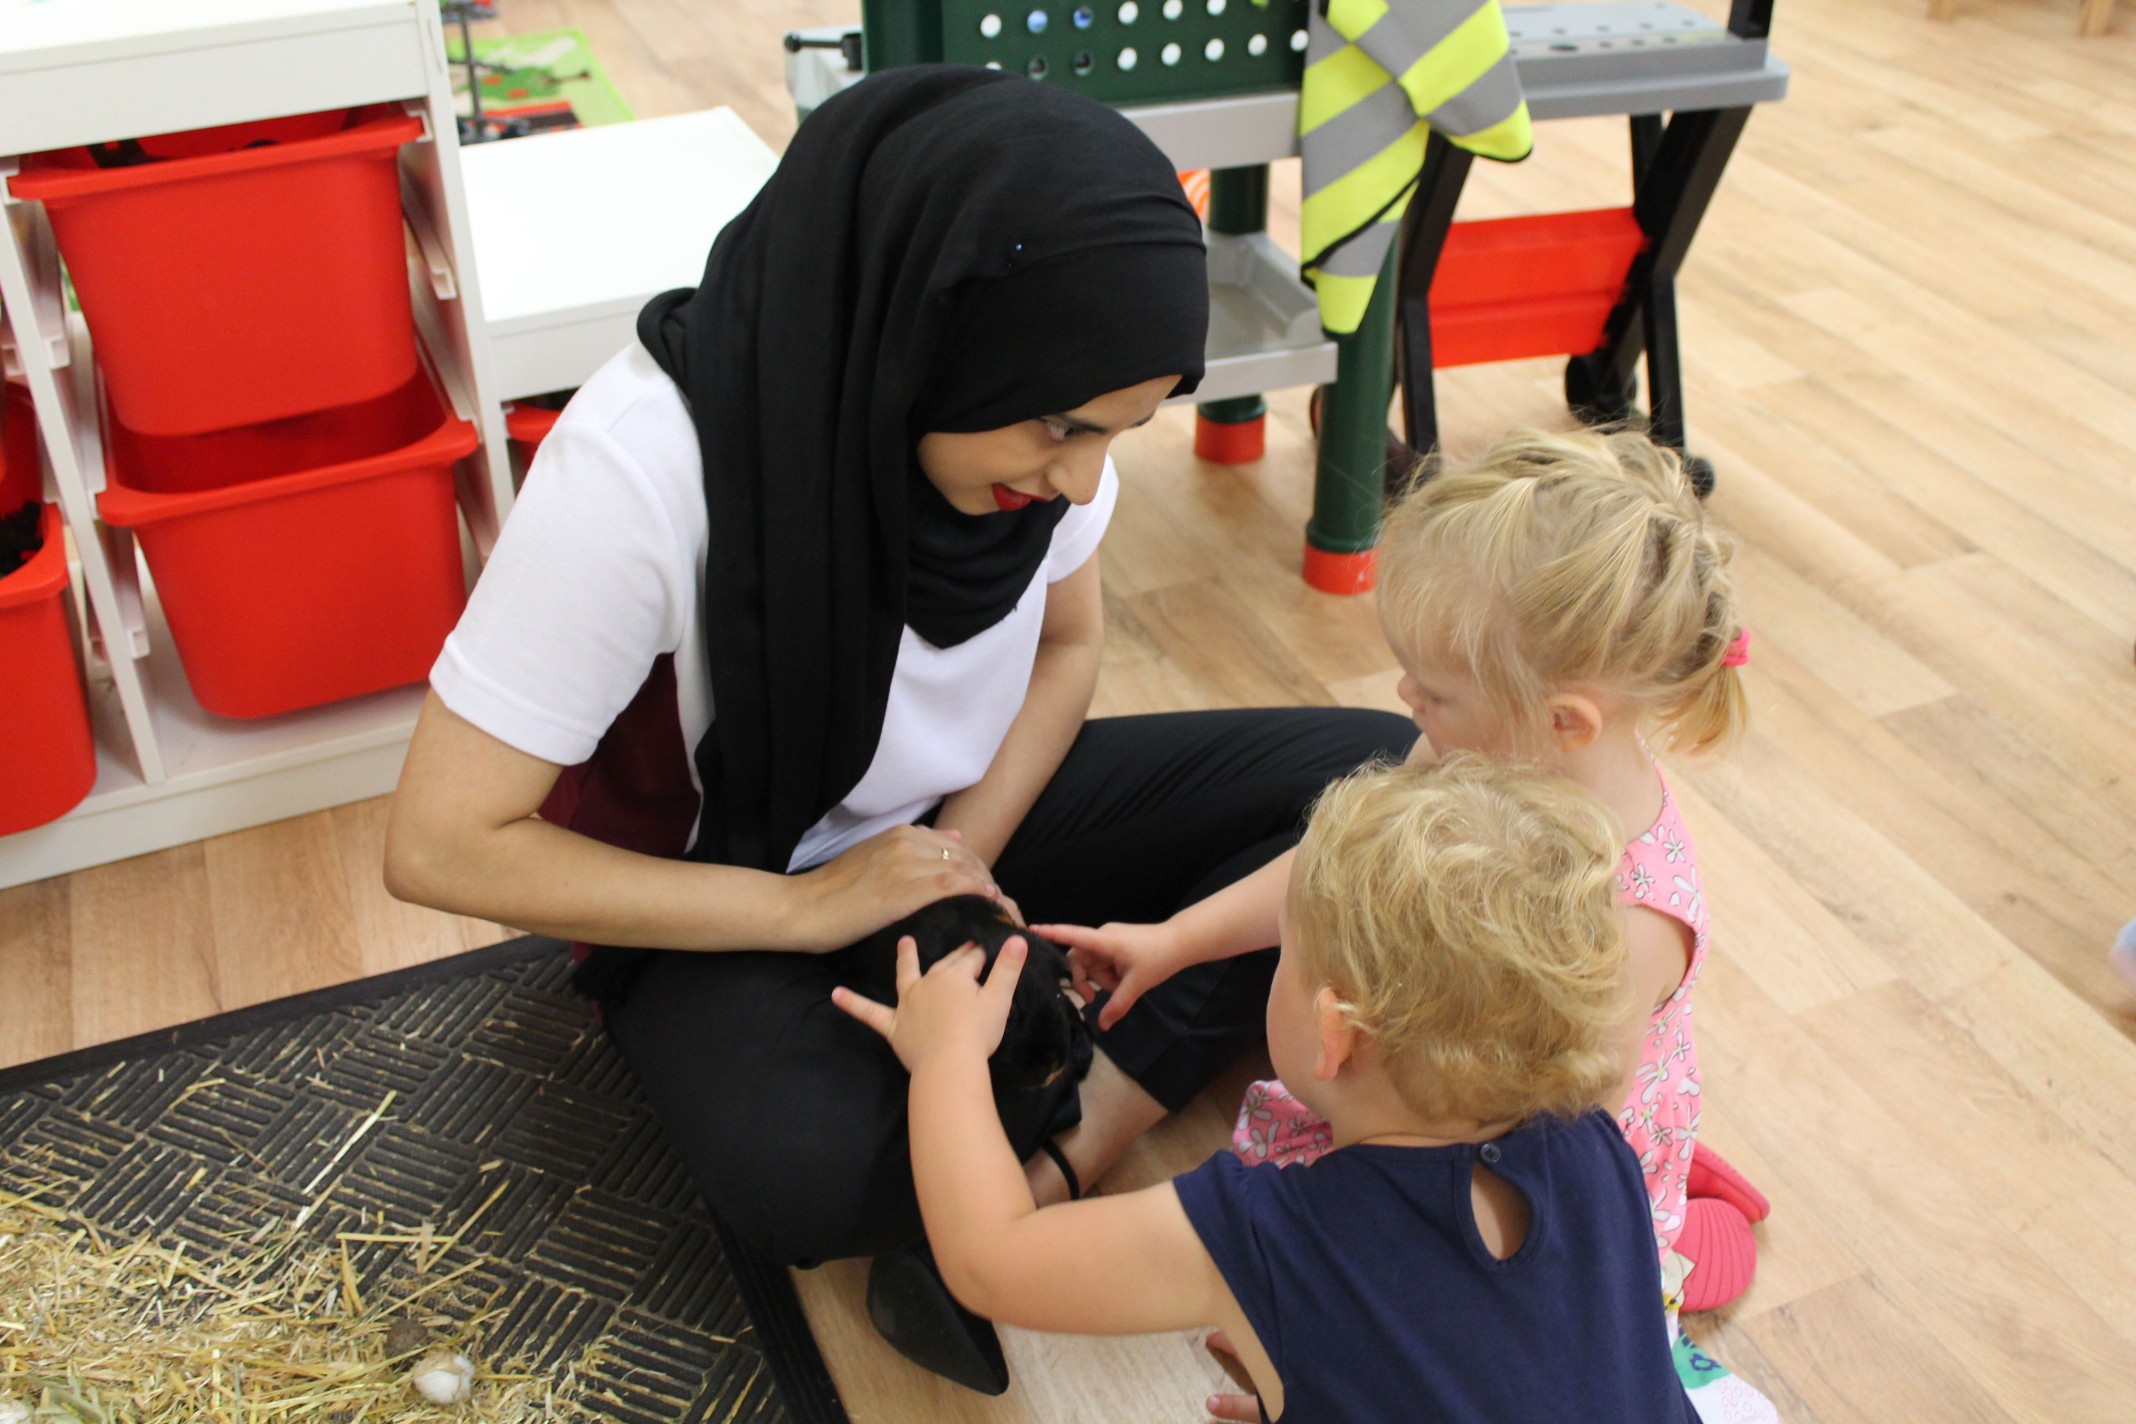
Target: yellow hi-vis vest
(1380, 75)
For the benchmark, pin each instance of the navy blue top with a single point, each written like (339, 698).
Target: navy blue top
(1365, 1278)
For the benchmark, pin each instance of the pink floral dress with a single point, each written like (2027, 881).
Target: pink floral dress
(1659, 872)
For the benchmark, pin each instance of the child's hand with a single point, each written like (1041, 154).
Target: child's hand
(1128, 960)
(946, 1011)
(1246, 1406)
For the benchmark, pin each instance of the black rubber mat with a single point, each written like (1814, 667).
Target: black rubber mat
(505, 1100)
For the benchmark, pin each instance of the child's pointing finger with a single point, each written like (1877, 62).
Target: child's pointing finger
(880, 1017)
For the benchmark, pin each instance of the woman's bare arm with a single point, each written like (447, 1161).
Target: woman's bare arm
(464, 837)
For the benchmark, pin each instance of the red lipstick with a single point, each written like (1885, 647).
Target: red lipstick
(1012, 499)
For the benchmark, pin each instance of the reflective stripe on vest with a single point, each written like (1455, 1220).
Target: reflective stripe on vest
(1380, 76)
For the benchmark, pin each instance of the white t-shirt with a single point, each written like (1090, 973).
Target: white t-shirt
(600, 571)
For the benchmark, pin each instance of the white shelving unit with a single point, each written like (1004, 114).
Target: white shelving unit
(529, 261)
(89, 71)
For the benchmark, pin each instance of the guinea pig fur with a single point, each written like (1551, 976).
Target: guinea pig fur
(1046, 1034)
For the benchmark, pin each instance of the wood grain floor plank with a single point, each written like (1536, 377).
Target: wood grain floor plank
(283, 921)
(2007, 867)
(1229, 658)
(36, 971)
(2061, 523)
(1912, 922)
(2040, 1032)
(1853, 1355)
(144, 945)
(1844, 470)
(1721, 1336)
(2056, 1192)
(1799, 949)
(1871, 671)
(2024, 788)
(1924, 1228)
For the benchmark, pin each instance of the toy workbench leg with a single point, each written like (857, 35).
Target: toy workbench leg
(1350, 480)
(1424, 230)
(1235, 431)
(1675, 169)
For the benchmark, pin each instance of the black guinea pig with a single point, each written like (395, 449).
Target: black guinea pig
(1046, 1034)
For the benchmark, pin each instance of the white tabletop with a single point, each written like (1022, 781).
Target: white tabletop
(595, 216)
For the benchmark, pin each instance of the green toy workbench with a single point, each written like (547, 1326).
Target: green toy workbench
(1214, 83)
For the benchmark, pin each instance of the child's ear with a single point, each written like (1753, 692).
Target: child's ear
(1338, 1036)
(1575, 721)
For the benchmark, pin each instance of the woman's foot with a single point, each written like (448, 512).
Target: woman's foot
(1116, 1111)
(912, 1308)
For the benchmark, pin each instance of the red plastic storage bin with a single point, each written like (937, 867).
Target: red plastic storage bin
(528, 425)
(292, 590)
(1507, 288)
(184, 464)
(21, 478)
(47, 754)
(241, 274)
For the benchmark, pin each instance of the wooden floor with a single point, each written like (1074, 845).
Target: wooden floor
(1907, 327)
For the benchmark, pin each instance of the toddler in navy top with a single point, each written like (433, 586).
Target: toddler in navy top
(1476, 1246)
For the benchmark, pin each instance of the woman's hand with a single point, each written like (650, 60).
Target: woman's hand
(1127, 960)
(946, 1011)
(883, 879)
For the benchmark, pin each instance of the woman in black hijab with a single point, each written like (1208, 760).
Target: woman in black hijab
(795, 629)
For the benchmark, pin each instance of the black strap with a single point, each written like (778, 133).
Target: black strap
(1060, 1159)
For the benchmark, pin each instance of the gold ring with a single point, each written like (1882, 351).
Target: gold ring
(945, 852)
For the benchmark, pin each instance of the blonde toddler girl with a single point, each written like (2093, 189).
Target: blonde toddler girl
(1561, 599)
(1473, 1245)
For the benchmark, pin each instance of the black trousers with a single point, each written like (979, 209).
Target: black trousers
(791, 1116)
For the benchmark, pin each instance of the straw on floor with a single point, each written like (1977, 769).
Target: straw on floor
(278, 1215)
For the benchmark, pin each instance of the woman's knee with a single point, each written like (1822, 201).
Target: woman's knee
(1341, 739)
(803, 1197)
(790, 1118)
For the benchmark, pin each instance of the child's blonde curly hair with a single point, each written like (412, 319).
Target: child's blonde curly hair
(1584, 559)
(1465, 915)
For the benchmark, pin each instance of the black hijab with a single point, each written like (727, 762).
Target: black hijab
(941, 249)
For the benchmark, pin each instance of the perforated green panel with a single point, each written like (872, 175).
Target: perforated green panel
(1117, 51)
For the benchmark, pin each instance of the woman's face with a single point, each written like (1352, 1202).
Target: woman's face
(1057, 456)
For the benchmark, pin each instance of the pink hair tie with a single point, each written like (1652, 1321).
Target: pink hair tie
(1738, 650)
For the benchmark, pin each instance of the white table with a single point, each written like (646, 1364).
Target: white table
(574, 231)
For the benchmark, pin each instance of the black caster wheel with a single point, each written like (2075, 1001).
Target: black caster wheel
(1700, 471)
(1588, 401)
